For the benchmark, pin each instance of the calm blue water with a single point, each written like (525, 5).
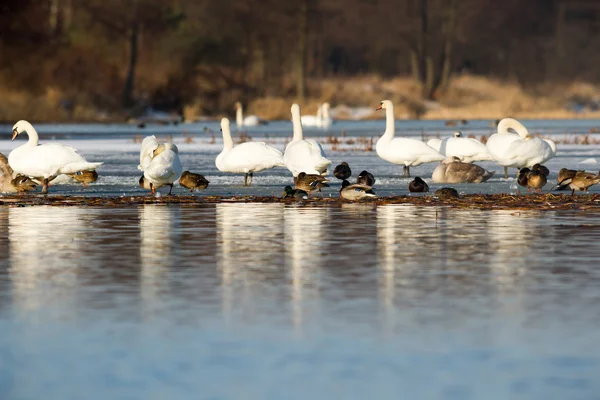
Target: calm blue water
(266, 301)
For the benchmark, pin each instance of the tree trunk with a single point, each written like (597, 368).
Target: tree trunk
(301, 55)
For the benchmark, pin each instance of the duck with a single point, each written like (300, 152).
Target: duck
(192, 181)
(542, 169)
(452, 170)
(536, 180)
(342, 171)
(518, 150)
(44, 161)
(365, 178)
(304, 155)
(467, 149)
(8, 184)
(299, 194)
(446, 193)
(418, 185)
(247, 157)
(85, 177)
(564, 174)
(310, 182)
(249, 120)
(522, 177)
(356, 191)
(410, 152)
(581, 181)
(160, 163)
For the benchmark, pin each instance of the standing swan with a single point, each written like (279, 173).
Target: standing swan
(247, 158)
(46, 161)
(519, 151)
(410, 152)
(250, 120)
(304, 155)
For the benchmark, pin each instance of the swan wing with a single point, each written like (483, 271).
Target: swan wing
(252, 157)
(435, 143)
(305, 156)
(165, 168)
(407, 151)
(309, 120)
(498, 144)
(149, 144)
(467, 149)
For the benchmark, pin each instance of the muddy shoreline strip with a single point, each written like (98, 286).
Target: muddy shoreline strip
(545, 202)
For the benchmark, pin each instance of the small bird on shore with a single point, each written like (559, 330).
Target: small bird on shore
(310, 182)
(356, 191)
(85, 177)
(446, 193)
(192, 181)
(299, 194)
(543, 170)
(535, 180)
(342, 171)
(522, 177)
(418, 185)
(564, 174)
(365, 178)
(581, 181)
(23, 184)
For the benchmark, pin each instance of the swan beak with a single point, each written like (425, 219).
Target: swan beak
(15, 134)
(379, 107)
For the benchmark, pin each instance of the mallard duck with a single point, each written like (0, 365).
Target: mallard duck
(85, 177)
(192, 181)
(365, 178)
(418, 185)
(581, 181)
(295, 193)
(23, 184)
(522, 177)
(342, 171)
(310, 182)
(564, 174)
(543, 170)
(356, 191)
(452, 170)
(446, 193)
(535, 180)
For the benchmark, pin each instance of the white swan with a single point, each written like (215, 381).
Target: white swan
(46, 161)
(304, 155)
(160, 163)
(410, 152)
(321, 120)
(326, 120)
(247, 158)
(520, 150)
(467, 149)
(250, 120)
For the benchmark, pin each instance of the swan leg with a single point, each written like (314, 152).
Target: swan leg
(45, 186)
(170, 189)
(573, 192)
(251, 174)
(152, 189)
(406, 172)
(505, 172)
(245, 179)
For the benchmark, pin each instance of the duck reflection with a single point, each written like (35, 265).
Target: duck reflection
(45, 245)
(158, 252)
(304, 238)
(249, 253)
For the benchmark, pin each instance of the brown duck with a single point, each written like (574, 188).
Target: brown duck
(193, 181)
(310, 182)
(85, 177)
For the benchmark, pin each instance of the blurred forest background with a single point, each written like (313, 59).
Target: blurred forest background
(112, 59)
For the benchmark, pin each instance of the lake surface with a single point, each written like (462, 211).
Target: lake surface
(272, 301)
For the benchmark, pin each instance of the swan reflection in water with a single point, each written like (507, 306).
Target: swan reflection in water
(249, 252)
(304, 242)
(45, 244)
(158, 252)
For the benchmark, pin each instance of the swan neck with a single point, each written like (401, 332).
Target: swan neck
(227, 140)
(297, 127)
(325, 112)
(33, 135)
(239, 116)
(509, 123)
(389, 122)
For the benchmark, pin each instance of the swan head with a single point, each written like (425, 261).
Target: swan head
(385, 104)
(20, 127)
(237, 105)
(458, 134)
(295, 109)
(224, 125)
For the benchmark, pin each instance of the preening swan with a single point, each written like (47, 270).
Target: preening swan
(304, 155)
(520, 150)
(467, 149)
(246, 158)
(249, 120)
(410, 152)
(46, 161)
(160, 163)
